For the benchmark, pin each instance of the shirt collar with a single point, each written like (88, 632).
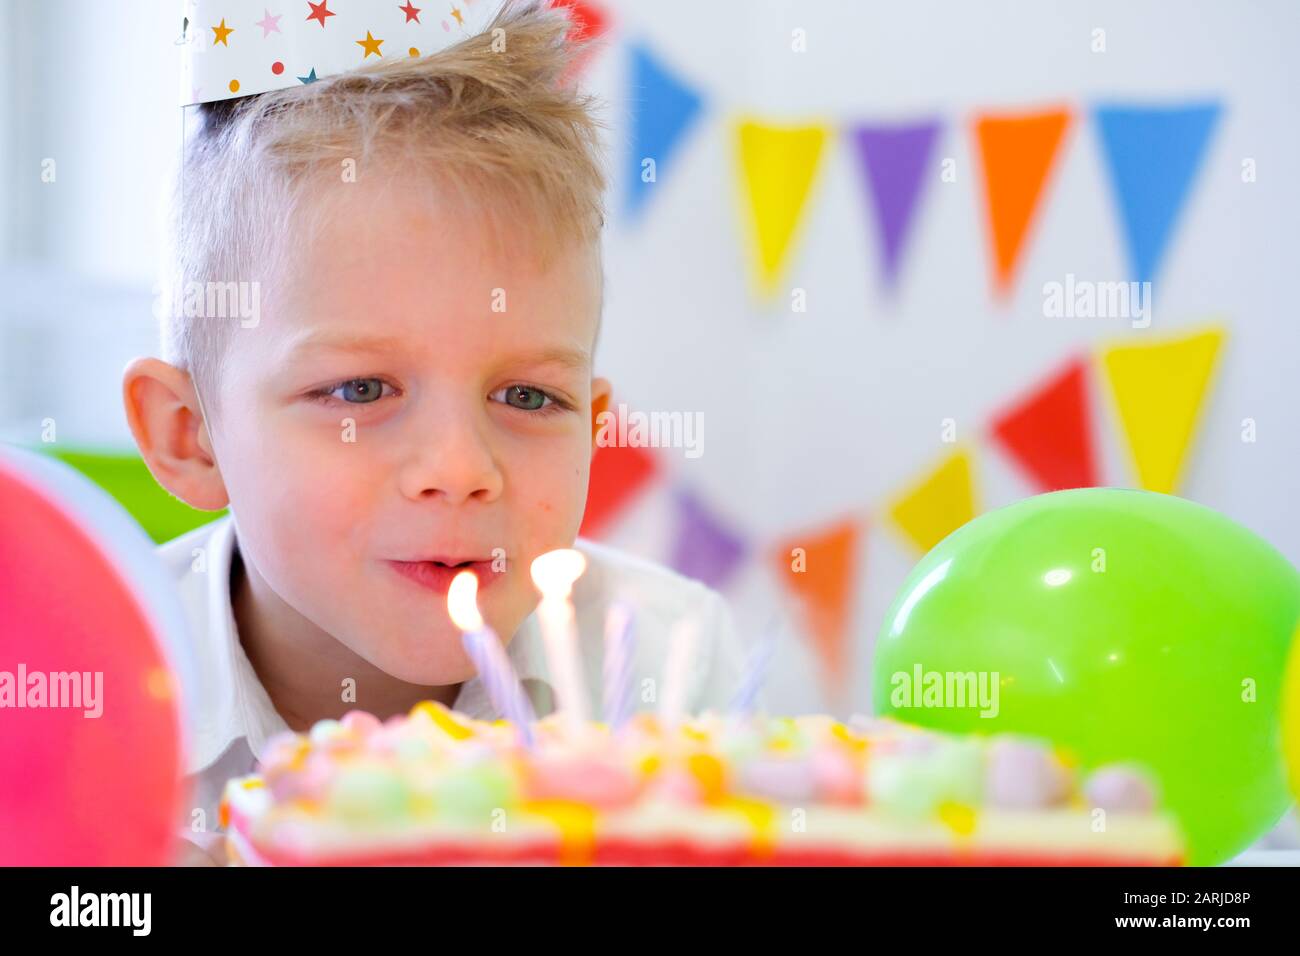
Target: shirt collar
(243, 709)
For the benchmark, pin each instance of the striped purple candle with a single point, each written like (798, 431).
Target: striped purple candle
(489, 656)
(756, 668)
(503, 688)
(620, 654)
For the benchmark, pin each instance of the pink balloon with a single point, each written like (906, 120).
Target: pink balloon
(77, 789)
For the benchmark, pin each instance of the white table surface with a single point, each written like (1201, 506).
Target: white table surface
(1266, 858)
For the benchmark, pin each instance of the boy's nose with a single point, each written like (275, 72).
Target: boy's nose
(454, 463)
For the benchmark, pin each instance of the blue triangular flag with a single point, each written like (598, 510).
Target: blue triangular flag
(662, 109)
(1152, 154)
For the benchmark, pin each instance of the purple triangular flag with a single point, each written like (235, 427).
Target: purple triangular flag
(704, 549)
(894, 159)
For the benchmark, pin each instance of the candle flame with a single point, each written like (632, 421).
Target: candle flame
(462, 602)
(555, 571)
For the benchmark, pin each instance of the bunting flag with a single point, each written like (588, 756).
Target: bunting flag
(662, 110)
(893, 161)
(703, 547)
(939, 504)
(619, 474)
(778, 167)
(590, 21)
(1152, 155)
(1049, 432)
(820, 569)
(1158, 390)
(1018, 153)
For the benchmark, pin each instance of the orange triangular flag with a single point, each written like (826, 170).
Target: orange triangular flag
(778, 165)
(939, 504)
(1159, 389)
(820, 568)
(1017, 152)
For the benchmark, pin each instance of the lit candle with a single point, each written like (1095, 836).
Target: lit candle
(489, 656)
(681, 654)
(620, 646)
(554, 574)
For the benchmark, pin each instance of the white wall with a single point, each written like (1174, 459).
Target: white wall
(92, 86)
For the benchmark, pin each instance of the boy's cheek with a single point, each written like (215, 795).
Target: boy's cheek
(550, 521)
(307, 478)
(557, 489)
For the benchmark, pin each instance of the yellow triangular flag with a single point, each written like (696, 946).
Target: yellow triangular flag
(1158, 390)
(778, 166)
(941, 503)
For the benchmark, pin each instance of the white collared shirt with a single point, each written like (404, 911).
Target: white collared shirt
(232, 716)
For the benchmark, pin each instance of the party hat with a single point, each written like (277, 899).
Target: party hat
(243, 47)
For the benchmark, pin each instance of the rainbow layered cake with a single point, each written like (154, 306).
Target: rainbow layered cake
(433, 787)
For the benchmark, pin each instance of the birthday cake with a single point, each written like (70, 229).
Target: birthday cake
(435, 787)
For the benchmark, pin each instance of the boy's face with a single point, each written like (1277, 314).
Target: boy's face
(383, 416)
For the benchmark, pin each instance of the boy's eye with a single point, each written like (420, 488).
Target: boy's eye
(524, 397)
(358, 391)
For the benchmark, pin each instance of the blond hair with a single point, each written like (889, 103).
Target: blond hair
(493, 118)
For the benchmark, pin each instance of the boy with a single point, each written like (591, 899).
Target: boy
(422, 242)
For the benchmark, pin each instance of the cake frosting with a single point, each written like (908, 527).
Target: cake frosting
(434, 786)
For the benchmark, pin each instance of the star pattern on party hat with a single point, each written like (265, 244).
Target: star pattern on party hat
(222, 33)
(245, 47)
(319, 11)
(370, 45)
(269, 23)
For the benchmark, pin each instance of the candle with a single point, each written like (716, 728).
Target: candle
(489, 656)
(620, 645)
(554, 574)
(756, 667)
(681, 655)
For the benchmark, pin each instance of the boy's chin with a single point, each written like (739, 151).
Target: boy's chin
(435, 674)
(421, 665)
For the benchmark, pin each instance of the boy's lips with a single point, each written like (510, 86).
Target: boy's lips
(437, 575)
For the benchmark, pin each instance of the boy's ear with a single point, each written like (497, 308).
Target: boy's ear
(162, 409)
(600, 397)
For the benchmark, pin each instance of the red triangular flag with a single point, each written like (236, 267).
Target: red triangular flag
(618, 475)
(590, 21)
(1049, 432)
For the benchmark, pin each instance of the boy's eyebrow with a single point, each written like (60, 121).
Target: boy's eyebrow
(575, 359)
(566, 357)
(345, 342)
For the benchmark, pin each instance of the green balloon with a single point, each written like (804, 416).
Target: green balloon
(1121, 625)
